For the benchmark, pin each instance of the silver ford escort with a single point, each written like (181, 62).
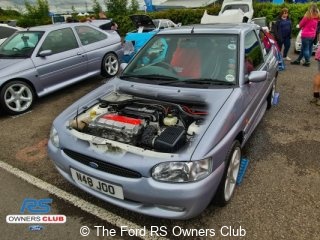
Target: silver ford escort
(165, 137)
(39, 60)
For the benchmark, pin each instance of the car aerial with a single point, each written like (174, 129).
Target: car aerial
(146, 28)
(43, 59)
(165, 137)
(297, 45)
(6, 31)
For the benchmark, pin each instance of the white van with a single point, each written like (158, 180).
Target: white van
(229, 7)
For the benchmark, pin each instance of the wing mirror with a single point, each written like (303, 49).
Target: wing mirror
(257, 76)
(45, 53)
(123, 66)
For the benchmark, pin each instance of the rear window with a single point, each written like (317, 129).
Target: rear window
(90, 35)
(106, 26)
(243, 7)
(6, 31)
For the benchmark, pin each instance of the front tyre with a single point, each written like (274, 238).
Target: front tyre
(16, 97)
(110, 65)
(228, 182)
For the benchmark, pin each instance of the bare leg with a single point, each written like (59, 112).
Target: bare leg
(316, 83)
(316, 90)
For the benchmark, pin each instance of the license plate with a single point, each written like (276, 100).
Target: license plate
(98, 185)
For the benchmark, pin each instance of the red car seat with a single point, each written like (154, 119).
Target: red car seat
(186, 60)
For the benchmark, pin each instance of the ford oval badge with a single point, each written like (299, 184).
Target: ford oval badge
(93, 164)
(36, 228)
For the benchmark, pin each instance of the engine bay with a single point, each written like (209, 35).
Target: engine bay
(150, 124)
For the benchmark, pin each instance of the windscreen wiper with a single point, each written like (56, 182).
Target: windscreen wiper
(19, 56)
(149, 76)
(198, 81)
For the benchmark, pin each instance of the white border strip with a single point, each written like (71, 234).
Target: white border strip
(76, 201)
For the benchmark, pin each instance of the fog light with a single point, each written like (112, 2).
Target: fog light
(171, 208)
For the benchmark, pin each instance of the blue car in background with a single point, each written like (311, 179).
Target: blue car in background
(145, 29)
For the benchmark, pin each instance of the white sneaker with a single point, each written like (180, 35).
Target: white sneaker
(288, 59)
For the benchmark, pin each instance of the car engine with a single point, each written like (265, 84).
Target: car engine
(150, 124)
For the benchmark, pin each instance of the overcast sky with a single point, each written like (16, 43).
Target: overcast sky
(55, 5)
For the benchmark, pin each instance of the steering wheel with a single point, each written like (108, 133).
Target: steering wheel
(166, 66)
(24, 48)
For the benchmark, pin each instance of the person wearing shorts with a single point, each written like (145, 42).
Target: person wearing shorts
(316, 81)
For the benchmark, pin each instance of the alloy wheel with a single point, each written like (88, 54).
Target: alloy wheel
(111, 65)
(18, 97)
(232, 174)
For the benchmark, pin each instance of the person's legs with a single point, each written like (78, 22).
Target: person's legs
(316, 87)
(310, 48)
(306, 49)
(286, 43)
(301, 54)
(316, 83)
(280, 43)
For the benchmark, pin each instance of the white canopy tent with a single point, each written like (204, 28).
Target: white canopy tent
(185, 3)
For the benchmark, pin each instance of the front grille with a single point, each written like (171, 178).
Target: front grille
(102, 166)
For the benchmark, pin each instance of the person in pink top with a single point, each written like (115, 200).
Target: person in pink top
(308, 25)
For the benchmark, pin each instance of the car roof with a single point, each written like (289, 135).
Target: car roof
(230, 28)
(6, 31)
(162, 19)
(57, 26)
(8, 26)
(238, 1)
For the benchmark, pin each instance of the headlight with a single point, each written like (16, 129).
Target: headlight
(54, 138)
(182, 171)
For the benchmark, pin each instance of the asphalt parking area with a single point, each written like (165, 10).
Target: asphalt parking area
(278, 199)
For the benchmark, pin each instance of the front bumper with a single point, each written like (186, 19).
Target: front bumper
(145, 195)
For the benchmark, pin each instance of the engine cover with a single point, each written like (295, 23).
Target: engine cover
(117, 127)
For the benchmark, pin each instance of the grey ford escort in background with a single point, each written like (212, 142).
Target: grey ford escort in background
(40, 60)
(165, 138)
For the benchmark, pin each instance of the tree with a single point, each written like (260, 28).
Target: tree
(116, 7)
(9, 14)
(37, 14)
(134, 6)
(74, 12)
(39, 11)
(96, 8)
(73, 9)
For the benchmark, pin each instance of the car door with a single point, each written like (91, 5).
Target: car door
(65, 65)
(256, 58)
(94, 43)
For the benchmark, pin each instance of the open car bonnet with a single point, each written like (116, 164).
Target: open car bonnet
(142, 21)
(148, 127)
